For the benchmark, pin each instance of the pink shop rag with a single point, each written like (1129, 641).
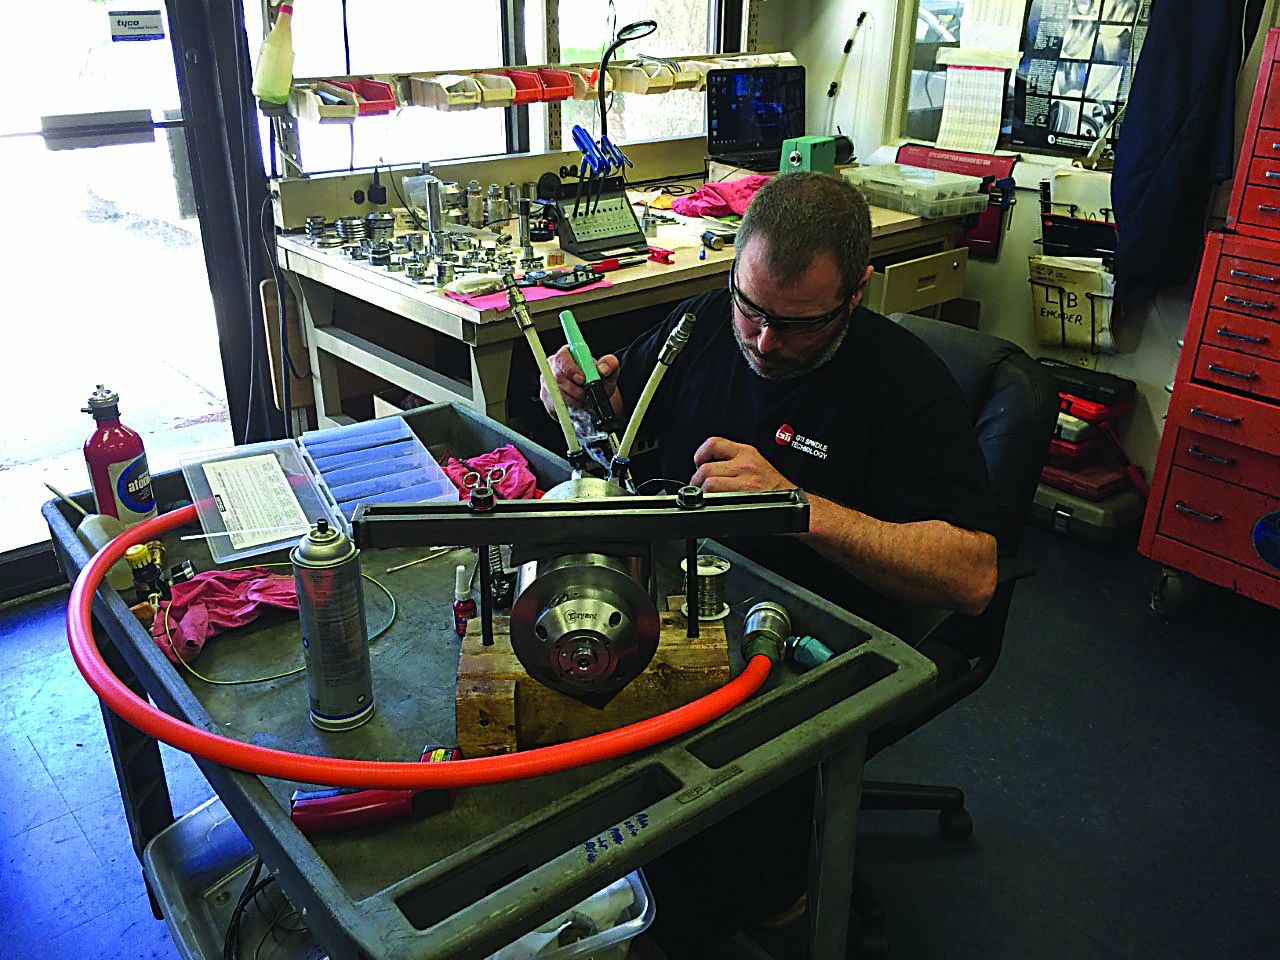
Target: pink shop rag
(719, 199)
(517, 481)
(214, 601)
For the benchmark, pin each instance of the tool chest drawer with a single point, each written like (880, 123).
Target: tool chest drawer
(1261, 207)
(1257, 303)
(1271, 98)
(1223, 519)
(1225, 461)
(1243, 420)
(1238, 371)
(1242, 333)
(1259, 274)
(1265, 171)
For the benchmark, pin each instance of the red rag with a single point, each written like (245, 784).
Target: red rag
(214, 601)
(518, 483)
(719, 199)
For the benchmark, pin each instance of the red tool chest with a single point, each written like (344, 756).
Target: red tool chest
(1215, 500)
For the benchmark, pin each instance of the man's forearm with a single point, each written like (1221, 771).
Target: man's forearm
(928, 562)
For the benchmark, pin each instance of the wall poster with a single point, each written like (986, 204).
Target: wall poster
(1077, 60)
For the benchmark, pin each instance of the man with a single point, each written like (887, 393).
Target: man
(788, 382)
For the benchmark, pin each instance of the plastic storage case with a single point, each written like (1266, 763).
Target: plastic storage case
(330, 472)
(919, 190)
(197, 867)
(1076, 518)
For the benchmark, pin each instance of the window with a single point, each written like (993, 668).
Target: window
(684, 29)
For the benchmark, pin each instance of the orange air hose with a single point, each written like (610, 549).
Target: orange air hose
(331, 771)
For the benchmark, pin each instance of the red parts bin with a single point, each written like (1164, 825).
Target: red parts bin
(556, 85)
(528, 86)
(373, 96)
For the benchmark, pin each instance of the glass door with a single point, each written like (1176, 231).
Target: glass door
(105, 274)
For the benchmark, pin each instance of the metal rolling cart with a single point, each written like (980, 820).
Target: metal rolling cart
(507, 857)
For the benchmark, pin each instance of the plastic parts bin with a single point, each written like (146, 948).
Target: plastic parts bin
(197, 867)
(528, 86)
(556, 85)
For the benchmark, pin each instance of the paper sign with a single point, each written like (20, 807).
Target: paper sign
(971, 109)
(136, 25)
(255, 501)
(1071, 301)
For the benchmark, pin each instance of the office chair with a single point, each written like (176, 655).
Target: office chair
(1014, 404)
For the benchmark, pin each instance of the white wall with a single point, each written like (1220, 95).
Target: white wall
(815, 30)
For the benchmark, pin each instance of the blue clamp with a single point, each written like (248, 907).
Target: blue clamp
(591, 154)
(611, 151)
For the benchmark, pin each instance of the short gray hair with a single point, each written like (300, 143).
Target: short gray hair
(803, 215)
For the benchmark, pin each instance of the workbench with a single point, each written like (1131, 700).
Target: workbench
(507, 857)
(318, 275)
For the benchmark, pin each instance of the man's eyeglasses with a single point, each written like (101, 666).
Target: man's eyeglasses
(762, 318)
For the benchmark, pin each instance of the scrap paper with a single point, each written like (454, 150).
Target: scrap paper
(971, 109)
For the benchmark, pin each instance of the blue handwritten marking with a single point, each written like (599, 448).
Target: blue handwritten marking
(616, 835)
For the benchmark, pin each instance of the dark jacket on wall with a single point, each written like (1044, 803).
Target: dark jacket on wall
(1176, 140)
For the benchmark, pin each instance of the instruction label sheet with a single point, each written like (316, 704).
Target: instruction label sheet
(254, 500)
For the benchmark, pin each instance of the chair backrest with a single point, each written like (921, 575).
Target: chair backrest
(1014, 405)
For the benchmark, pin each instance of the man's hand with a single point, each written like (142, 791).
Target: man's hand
(570, 380)
(728, 467)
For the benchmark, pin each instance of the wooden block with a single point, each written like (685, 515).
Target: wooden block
(501, 709)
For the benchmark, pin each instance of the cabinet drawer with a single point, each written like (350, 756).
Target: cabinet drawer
(1259, 303)
(1249, 273)
(1261, 207)
(1238, 524)
(1242, 333)
(1225, 461)
(1267, 144)
(1238, 371)
(1241, 420)
(1265, 171)
(922, 282)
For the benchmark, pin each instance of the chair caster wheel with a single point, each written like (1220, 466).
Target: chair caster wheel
(956, 824)
(1168, 593)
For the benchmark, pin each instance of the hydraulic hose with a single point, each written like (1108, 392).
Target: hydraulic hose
(670, 350)
(332, 771)
(520, 310)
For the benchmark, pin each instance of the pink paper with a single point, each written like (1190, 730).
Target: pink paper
(498, 301)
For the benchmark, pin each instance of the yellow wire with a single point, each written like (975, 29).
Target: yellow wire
(279, 676)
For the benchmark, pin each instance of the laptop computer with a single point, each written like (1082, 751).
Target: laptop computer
(751, 111)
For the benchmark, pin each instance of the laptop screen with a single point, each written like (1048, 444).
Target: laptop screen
(753, 109)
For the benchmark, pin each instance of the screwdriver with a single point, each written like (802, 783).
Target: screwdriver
(617, 263)
(581, 353)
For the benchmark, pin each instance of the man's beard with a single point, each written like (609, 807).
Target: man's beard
(773, 369)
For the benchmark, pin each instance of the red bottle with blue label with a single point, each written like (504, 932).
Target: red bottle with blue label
(117, 462)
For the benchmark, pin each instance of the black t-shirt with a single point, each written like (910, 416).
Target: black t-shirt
(881, 428)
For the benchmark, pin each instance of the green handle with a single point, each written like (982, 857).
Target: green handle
(578, 347)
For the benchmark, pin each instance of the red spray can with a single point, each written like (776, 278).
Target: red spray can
(117, 462)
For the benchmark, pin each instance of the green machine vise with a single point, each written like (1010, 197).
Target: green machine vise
(808, 153)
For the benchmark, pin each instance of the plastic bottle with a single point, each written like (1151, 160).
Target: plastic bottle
(117, 463)
(273, 70)
(464, 605)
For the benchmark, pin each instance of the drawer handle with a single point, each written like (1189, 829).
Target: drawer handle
(1251, 304)
(1195, 451)
(1243, 338)
(1206, 415)
(1268, 208)
(1182, 508)
(1272, 175)
(1228, 372)
(1256, 277)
